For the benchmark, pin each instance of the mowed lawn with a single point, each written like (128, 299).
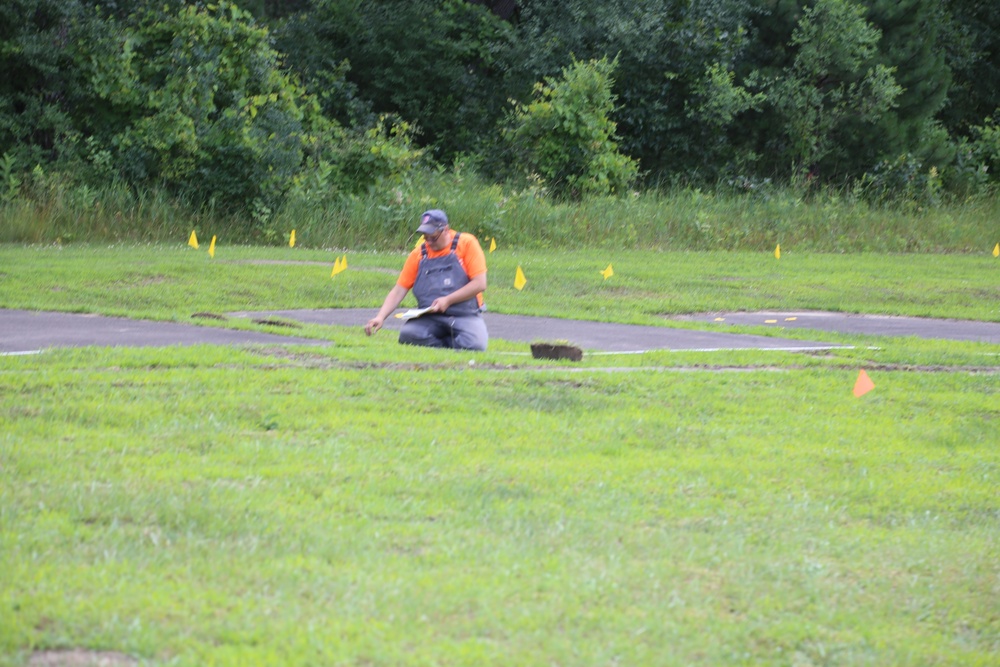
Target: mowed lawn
(371, 504)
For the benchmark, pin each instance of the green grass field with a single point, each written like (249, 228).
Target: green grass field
(373, 504)
(173, 281)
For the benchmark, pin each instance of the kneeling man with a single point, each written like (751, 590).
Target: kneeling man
(447, 273)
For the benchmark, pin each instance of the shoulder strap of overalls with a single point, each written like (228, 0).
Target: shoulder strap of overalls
(454, 246)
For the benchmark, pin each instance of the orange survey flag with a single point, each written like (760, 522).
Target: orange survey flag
(863, 385)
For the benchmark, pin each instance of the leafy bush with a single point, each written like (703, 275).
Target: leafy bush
(354, 164)
(566, 137)
(212, 115)
(10, 182)
(986, 145)
(904, 181)
(975, 169)
(968, 175)
(190, 101)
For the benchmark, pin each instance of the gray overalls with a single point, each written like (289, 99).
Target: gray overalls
(462, 325)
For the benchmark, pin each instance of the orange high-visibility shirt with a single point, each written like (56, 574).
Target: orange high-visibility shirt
(470, 256)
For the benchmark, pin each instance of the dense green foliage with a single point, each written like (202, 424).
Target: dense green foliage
(831, 87)
(565, 134)
(40, 82)
(247, 109)
(676, 100)
(203, 107)
(971, 43)
(432, 63)
(190, 99)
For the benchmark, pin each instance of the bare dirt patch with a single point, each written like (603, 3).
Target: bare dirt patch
(275, 322)
(80, 658)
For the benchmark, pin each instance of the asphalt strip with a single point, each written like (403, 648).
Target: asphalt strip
(849, 323)
(30, 332)
(592, 336)
(25, 332)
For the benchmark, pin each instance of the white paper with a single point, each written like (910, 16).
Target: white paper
(411, 313)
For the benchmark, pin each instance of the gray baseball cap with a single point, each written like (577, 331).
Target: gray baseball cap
(432, 221)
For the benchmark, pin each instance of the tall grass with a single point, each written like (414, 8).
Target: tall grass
(382, 219)
(112, 213)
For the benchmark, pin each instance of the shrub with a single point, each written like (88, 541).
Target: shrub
(904, 181)
(566, 137)
(986, 145)
(211, 115)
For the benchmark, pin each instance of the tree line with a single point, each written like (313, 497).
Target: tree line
(241, 106)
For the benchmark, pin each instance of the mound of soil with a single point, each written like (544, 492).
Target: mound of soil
(556, 351)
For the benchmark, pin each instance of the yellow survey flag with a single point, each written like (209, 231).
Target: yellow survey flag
(519, 280)
(339, 266)
(211, 248)
(493, 244)
(291, 240)
(996, 249)
(777, 251)
(863, 385)
(608, 272)
(193, 241)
